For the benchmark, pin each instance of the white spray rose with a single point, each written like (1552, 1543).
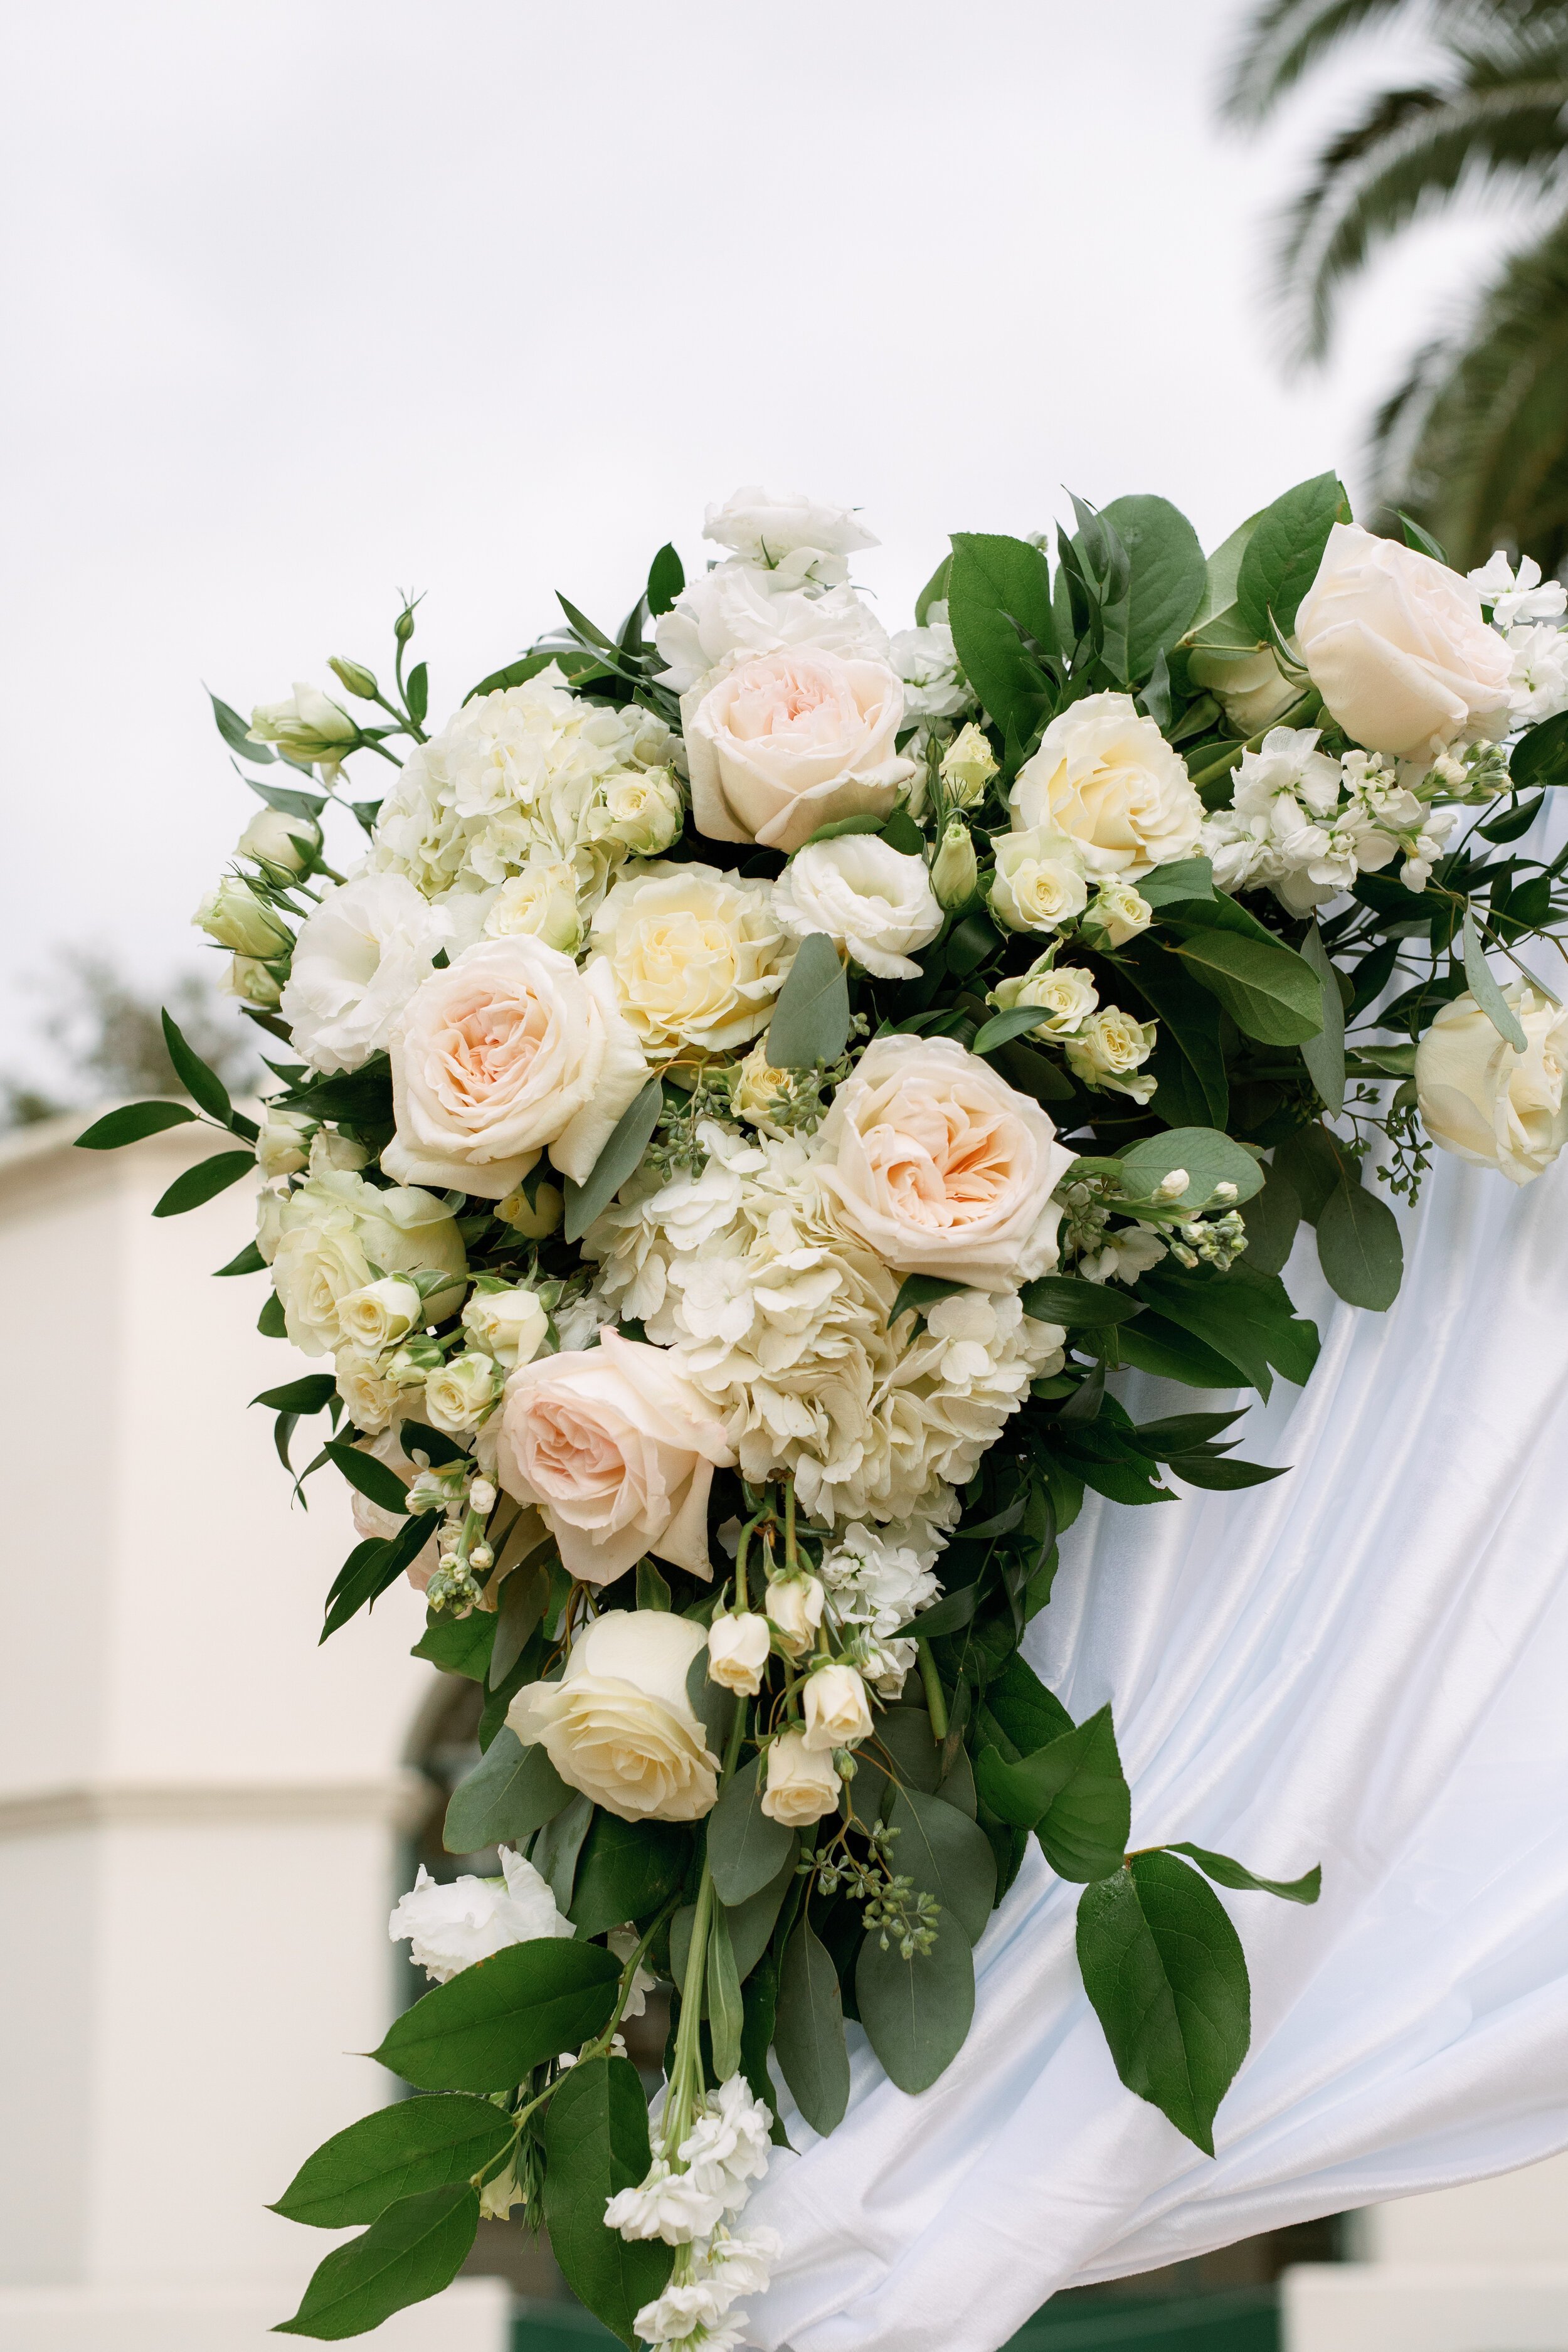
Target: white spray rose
(1121, 911)
(358, 960)
(1110, 1050)
(282, 1143)
(698, 956)
(511, 1324)
(461, 1392)
(838, 1712)
(1484, 1101)
(309, 726)
(370, 1397)
(540, 902)
(329, 1237)
(870, 897)
(738, 1650)
(1106, 777)
(449, 1925)
(236, 918)
(509, 1049)
(1038, 881)
(619, 1725)
(1067, 996)
(644, 811)
(788, 742)
(793, 1604)
(785, 530)
(381, 1314)
(801, 1784)
(1396, 646)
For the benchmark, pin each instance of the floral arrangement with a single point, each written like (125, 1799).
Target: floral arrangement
(757, 1083)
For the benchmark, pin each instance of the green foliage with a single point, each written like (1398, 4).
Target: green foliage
(1324, 1055)
(414, 2249)
(399, 2151)
(916, 2013)
(624, 1871)
(512, 1791)
(1072, 1793)
(595, 2144)
(380, 1485)
(197, 1185)
(1168, 576)
(630, 1139)
(745, 1847)
(130, 1124)
(484, 2029)
(947, 1858)
(1360, 1246)
(999, 610)
(1209, 1158)
(808, 2032)
(811, 1016)
(1269, 992)
(1284, 551)
(1226, 1872)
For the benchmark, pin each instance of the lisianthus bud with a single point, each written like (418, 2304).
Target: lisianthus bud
(236, 918)
(794, 1605)
(801, 1783)
(354, 675)
(838, 1712)
(309, 726)
(380, 1314)
(967, 767)
(282, 1144)
(458, 1396)
(403, 627)
(955, 869)
(275, 839)
(738, 1650)
(249, 979)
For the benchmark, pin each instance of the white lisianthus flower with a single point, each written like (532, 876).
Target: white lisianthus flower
(283, 1142)
(358, 960)
(968, 765)
(1066, 995)
(697, 956)
(1106, 777)
(1396, 644)
(737, 1649)
(838, 1712)
(1108, 1053)
(1484, 1101)
(736, 611)
(927, 661)
(1521, 596)
(510, 1323)
(801, 1784)
(248, 977)
(329, 1236)
(793, 1604)
(785, 531)
(275, 839)
(870, 897)
(450, 1924)
(619, 1725)
(1040, 879)
(461, 1392)
(381, 1314)
(509, 1050)
(236, 918)
(540, 902)
(309, 726)
(1121, 911)
(787, 742)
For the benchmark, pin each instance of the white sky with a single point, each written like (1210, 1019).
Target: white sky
(310, 300)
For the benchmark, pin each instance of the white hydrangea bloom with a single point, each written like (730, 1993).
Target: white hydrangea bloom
(1521, 595)
(779, 1317)
(449, 1926)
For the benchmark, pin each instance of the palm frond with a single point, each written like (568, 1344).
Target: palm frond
(1286, 38)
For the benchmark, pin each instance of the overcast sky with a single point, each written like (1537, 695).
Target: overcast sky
(309, 300)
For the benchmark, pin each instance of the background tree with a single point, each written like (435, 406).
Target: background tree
(1474, 442)
(104, 1038)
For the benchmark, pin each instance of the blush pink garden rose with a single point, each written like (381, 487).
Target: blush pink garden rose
(788, 741)
(617, 1450)
(619, 1725)
(1396, 645)
(508, 1051)
(941, 1167)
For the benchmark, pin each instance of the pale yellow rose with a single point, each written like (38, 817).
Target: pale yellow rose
(1038, 882)
(1487, 1103)
(328, 1237)
(619, 1725)
(789, 741)
(801, 1784)
(838, 1712)
(698, 956)
(1106, 777)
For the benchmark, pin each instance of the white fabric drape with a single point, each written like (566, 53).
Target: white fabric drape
(1364, 1663)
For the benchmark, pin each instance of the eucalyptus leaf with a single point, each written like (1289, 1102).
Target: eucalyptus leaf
(520, 1608)
(1360, 1245)
(745, 1847)
(621, 1157)
(947, 1858)
(811, 1017)
(1485, 990)
(723, 1993)
(1324, 1055)
(1269, 992)
(916, 2013)
(1208, 1157)
(808, 2032)
(512, 1791)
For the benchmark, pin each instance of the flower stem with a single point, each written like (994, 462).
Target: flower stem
(935, 1699)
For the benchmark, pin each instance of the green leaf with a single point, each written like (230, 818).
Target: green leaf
(133, 1123)
(1540, 756)
(1246, 1317)
(1284, 553)
(666, 579)
(998, 587)
(1153, 1345)
(653, 1593)
(947, 1858)
(204, 1181)
(745, 1847)
(1269, 992)
(808, 2032)
(370, 1569)
(1190, 1025)
(621, 1157)
(1004, 1028)
(595, 2144)
(1184, 881)
(840, 825)
(810, 1018)
(1324, 1055)
(485, 2028)
(1360, 1248)
(1271, 1219)
(1073, 1794)
(271, 1322)
(1314, 1161)
(1208, 1157)
(205, 1088)
(1032, 1073)
(248, 1260)
(417, 692)
(574, 663)
(373, 1479)
(512, 1791)
(524, 1595)
(1485, 990)
(1027, 1713)
(625, 1870)
(969, 943)
(1221, 1476)
(1080, 1306)
(312, 1394)
(414, 2145)
(916, 2013)
(935, 591)
(1226, 1872)
(558, 1844)
(1164, 1969)
(414, 2249)
(231, 726)
(725, 2014)
(1169, 575)
(458, 1645)
(901, 832)
(921, 1291)
(1513, 821)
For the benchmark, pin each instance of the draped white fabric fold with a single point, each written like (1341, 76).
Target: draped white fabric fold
(1364, 1663)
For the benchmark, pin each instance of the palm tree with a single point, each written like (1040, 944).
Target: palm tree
(1474, 442)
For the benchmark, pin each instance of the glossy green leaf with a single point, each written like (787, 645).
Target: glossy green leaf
(1272, 1218)
(621, 1157)
(750, 1924)
(524, 1597)
(558, 1845)
(811, 1017)
(1004, 1028)
(595, 2144)
(1169, 575)
(1269, 992)
(808, 2032)
(1068, 1299)
(666, 579)
(947, 1858)
(132, 1124)
(311, 1393)
(1154, 1345)
(1027, 1713)
(1284, 551)
(399, 2151)
(1360, 1245)
(1208, 1157)
(381, 1485)
(206, 1088)
(204, 1181)
(916, 2013)
(921, 1291)
(745, 1847)
(512, 1791)
(1226, 1872)
(1540, 755)
(1244, 1316)
(998, 593)
(1073, 1794)
(458, 1645)
(414, 2249)
(625, 1870)
(484, 2029)
(1324, 1055)
(724, 1998)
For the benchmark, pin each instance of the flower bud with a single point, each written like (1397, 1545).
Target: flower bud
(794, 1605)
(236, 918)
(738, 1650)
(251, 981)
(482, 1498)
(354, 675)
(535, 1220)
(312, 728)
(838, 1712)
(1171, 1186)
(381, 1314)
(458, 1396)
(282, 1145)
(955, 870)
(802, 1785)
(967, 767)
(403, 627)
(274, 838)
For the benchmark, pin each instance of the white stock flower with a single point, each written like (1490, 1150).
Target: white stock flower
(1538, 674)
(1484, 1101)
(1305, 825)
(789, 741)
(510, 1323)
(330, 1234)
(1038, 881)
(873, 899)
(1108, 1053)
(801, 1784)
(450, 1924)
(737, 1649)
(1106, 777)
(1521, 596)
(1066, 995)
(618, 1724)
(927, 661)
(875, 1583)
(727, 2147)
(668, 2205)
(1123, 1254)
(838, 1712)
(697, 955)
(359, 957)
(309, 726)
(785, 530)
(1396, 645)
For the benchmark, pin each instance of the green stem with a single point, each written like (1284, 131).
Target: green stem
(791, 1562)
(935, 1700)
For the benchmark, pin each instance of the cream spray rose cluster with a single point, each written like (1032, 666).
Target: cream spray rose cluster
(747, 1086)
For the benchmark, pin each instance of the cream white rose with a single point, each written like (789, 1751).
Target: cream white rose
(1121, 911)
(1109, 1052)
(381, 1314)
(788, 742)
(1396, 646)
(793, 1604)
(1487, 1103)
(1065, 996)
(739, 1646)
(619, 1725)
(617, 1450)
(459, 1392)
(283, 1143)
(371, 1398)
(510, 1324)
(941, 1167)
(643, 810)
(1106, 777)
(697, 956)
(540, 902)
(736, 610)
(329, 1237)
(1038, 881)
(838, 1712)
(509, 1049)
(1251, 689)
(875, 900)
(358, 960)
(801, 1783)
